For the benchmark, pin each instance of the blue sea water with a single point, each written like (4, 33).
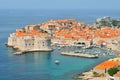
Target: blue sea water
(40, 65)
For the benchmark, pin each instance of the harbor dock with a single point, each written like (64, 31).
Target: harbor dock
(23, 52)
(20, 52)
(78, 55)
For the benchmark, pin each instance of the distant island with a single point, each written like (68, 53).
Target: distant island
(67, 32)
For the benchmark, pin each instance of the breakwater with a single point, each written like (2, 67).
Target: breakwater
(78, 55)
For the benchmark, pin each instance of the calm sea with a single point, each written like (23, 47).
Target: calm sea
(40, 65)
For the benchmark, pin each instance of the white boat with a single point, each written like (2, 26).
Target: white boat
(57, 61)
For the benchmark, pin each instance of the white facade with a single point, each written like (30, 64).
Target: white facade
(11, 40)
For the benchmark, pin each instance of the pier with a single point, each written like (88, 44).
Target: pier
(26, 51)
(20, 52)
(78, 55)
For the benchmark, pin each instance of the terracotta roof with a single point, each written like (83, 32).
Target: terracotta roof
(117, 74)
(29, 33)
(62, 21)
(101, 41)
(107, 64)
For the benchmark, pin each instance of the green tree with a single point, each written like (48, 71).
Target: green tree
(114, 22)
(23, 28)
(112, 71)
(95, 74)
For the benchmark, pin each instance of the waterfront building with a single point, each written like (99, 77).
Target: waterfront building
(117, 76)
(29, 40)
(104, 66)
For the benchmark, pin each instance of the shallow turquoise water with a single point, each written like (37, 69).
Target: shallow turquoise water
(40, 65)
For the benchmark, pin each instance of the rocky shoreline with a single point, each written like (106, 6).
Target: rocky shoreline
(89, 76)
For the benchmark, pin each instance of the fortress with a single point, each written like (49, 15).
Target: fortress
(29, 39)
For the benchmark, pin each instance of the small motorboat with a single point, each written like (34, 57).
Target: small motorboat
(57, 62)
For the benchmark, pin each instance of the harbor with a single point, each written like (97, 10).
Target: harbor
(56, 63)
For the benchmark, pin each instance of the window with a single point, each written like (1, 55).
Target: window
(43, 43)
(25, 44)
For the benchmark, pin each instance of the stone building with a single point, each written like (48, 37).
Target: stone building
(32, 41)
